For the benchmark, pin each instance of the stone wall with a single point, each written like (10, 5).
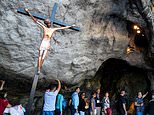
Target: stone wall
(103, 35)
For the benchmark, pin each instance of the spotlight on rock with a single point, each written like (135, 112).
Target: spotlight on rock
(138, 31)
(136, 27)
(130, 49)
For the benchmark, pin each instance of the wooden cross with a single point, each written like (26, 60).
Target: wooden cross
(52, 18)
(32, 94)
(36, 76)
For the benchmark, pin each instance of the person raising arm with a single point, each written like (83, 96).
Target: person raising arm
(2, 85)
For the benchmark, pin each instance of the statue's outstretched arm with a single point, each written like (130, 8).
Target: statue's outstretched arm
(34, 19)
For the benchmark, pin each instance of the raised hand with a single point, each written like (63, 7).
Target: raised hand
(73, 25)
(3, 82)
(26, 10)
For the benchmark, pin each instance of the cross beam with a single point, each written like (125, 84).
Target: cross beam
(52, 18)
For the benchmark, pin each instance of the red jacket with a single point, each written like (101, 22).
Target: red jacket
(3, 105)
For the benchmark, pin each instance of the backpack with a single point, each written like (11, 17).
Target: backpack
(132, 108)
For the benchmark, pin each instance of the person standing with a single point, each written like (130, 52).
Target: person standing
(98, 102)
(82, 103)
(122, 103)
(59, 104)
(75, 101)
(150, 108)
(3, 102)
(50, 99)
(106, 104)
(139, 104)
(93, 104)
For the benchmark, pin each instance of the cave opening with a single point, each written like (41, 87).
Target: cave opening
(138, 40)
(141, 41)
(116, 74)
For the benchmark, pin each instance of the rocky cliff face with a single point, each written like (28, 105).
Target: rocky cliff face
(103, 35)
(106, 32)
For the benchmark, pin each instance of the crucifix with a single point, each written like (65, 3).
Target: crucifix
(52, 18)
(46, 41)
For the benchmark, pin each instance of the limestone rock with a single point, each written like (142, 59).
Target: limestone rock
(103, 35)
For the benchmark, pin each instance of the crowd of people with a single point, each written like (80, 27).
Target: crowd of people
(53, 102)
(79, 104)
(97, 104)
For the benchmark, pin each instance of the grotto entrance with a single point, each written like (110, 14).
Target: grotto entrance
(116, 74)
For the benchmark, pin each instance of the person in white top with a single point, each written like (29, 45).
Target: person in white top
(50, 99)
(106, 104)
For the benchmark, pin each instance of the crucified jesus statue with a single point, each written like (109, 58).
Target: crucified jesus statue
(47, 36)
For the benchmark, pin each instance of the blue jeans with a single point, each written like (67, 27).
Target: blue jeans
(139, 113)
(48, 113)
(121, 113)
(58, 112)
(73, 111)
(82, 113)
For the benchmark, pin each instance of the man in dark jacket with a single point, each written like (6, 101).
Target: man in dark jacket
(122, 103)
